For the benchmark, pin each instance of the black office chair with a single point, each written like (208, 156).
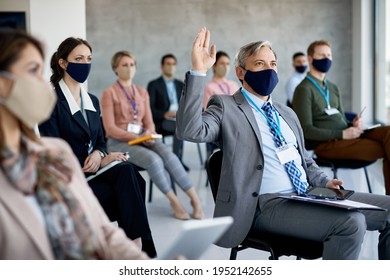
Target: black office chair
(335, 164)
(276, 244)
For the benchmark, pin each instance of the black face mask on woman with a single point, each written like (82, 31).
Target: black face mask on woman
(78, 71)
(262, 82)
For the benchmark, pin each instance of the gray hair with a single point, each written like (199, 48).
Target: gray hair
(248, 50)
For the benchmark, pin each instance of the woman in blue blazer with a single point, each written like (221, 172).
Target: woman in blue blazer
(76, 119)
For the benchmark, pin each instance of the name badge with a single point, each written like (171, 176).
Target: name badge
(331, 111)
(134, 128)
(287, 153)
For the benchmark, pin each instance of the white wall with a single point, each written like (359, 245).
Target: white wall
(54, 21)
(51, 21)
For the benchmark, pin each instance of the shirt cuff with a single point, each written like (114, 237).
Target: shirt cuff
(194, 73)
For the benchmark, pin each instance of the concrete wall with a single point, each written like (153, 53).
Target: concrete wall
(151, 28)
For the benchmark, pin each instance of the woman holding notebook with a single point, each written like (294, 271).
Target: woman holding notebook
(76, 119)
(127, 117)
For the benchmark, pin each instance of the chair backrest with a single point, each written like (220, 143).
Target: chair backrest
(213, 168)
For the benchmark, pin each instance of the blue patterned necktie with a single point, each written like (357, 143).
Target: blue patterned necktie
(292, 170)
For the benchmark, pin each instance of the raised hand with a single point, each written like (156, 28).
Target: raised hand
(202, 60)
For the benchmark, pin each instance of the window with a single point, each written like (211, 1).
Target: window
(382, 61)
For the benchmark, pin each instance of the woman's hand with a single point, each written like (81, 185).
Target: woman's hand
(149, 142)
(334, 184)
(201, 59)
(92, 162)
(114, 156)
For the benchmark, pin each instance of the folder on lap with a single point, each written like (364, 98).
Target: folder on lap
(345, 204)
(145, 138)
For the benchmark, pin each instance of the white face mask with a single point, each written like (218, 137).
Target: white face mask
(30, 100)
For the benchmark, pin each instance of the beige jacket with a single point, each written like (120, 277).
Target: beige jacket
(22, 234)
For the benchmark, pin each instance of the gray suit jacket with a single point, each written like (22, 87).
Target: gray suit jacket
(230, 121)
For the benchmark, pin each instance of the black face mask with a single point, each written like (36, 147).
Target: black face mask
(78, 71)
(322, 65)
(301, 69)
(262, 82)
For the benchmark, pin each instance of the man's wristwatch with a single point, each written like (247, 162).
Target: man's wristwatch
(102, 155)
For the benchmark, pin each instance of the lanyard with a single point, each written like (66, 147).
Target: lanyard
(222, 89)
(132, 103)
(90, 147)
(270, 123)
(325, 93)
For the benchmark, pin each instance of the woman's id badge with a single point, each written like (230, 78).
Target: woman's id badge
(287, 153)
(134, 128)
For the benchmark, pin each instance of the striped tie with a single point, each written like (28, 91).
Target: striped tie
(292, 170)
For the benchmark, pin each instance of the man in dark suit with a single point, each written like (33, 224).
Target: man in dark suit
(164, 95)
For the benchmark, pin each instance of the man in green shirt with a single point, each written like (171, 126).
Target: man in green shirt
(317, 102)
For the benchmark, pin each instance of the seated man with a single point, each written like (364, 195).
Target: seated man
(300, 68)
(164, 93)
(251, 128)
(317, 102)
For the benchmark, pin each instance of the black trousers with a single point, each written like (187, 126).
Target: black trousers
(121, 192)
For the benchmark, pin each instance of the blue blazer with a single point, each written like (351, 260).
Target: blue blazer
(73, 128)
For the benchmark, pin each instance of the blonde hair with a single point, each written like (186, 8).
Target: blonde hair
(118, 56)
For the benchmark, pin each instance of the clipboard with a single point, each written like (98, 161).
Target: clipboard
(370, 127)
(345, 204)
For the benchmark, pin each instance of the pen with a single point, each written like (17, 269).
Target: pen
(361, 112)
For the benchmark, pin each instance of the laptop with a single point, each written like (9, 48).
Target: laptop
(195, 237)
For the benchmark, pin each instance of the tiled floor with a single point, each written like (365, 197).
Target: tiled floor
(164, 226)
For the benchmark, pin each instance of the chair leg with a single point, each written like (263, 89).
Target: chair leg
(200, 154)
(150, 190)
(233, 253)
(368, 180)
(334, 169)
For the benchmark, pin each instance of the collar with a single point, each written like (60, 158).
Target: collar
(318, 81)
(300, 74)
(166, 80)
(74, 108)
(259, 102)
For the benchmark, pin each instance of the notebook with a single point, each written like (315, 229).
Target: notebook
(104, 169)
(195, 237)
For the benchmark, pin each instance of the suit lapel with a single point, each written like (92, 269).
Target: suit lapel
(247, 110)
(78, 116)
(165, 96)
(94, 121)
